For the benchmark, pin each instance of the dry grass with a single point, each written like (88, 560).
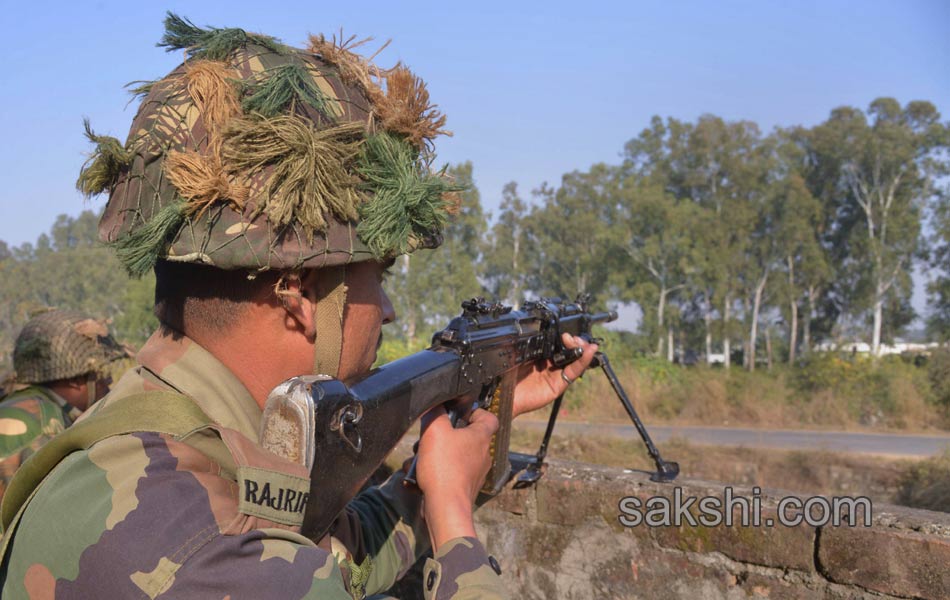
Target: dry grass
(927, 484)
(915, 483)
(811, 472)
(891, 397)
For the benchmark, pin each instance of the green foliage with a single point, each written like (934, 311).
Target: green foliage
(392, 349)
(893, 394)
(938, 289)
(656, 369)
(511, 252)
(134, 319)
(821, 371)
(655, 232)
(570, 258)
(68, 268)
(938, 372)
(622, 346)
(875, 171)
(889, 391)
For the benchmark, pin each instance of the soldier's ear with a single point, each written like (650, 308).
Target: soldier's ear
(297, 296)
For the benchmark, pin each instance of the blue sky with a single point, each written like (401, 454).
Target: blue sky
(531, 89)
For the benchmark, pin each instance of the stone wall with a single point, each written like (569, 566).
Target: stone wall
(562, 539)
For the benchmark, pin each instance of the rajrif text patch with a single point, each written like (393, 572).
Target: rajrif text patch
(272, 495)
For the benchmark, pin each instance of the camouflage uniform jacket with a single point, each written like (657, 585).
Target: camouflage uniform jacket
(170, 517)
(28, 419)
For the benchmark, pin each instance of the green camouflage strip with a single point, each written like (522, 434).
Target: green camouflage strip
(211, 43)
(408, 201)
(276, 91)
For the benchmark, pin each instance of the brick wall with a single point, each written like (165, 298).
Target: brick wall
(563, 539)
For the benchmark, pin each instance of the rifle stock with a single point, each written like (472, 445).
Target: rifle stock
(383, 406)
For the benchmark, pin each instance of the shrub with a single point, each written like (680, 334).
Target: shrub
(823, 371)
(393, 348)
(927, 484)
(938, 372)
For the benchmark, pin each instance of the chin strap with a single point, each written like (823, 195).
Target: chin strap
(328, 317)
(91, 380)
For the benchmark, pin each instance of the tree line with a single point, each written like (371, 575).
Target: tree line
(727, 238)
(724, 236)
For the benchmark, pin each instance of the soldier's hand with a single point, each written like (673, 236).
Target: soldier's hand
(539, 384)
(451, 468)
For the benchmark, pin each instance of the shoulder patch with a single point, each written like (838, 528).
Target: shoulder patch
(272, 495)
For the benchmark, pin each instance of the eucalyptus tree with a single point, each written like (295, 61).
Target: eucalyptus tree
(509, 250)
(887, 162)
(817, 271)
(655, 231)
(721, 173)
(69, 268)
(754, 214)
(704, 163)
(938, 288)
(802, 260)
(567, 230)
(799, 223)
(707, 275)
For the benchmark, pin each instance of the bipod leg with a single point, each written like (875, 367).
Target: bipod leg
(532, 474)
(665, 471)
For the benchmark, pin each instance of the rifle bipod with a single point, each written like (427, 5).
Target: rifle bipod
(665, 470)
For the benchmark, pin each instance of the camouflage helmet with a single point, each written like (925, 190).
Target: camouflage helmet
(255, 155)
(59, 344)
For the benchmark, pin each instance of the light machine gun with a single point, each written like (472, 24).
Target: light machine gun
(343, 433)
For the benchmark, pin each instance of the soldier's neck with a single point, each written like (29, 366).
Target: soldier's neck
(261, 351)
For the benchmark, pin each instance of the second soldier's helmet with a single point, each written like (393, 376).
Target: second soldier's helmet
(255, 155)
(60, 344)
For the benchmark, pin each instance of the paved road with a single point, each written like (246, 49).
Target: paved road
(786, 439)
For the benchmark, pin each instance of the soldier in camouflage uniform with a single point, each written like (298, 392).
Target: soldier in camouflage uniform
(61, 359)
(269, 188)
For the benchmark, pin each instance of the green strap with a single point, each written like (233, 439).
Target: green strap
(169, 413)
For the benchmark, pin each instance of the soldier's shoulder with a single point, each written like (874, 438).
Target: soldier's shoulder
(25, 416)
(150, 486)
(25, 398)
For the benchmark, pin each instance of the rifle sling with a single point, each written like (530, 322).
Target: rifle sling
(162, 412)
